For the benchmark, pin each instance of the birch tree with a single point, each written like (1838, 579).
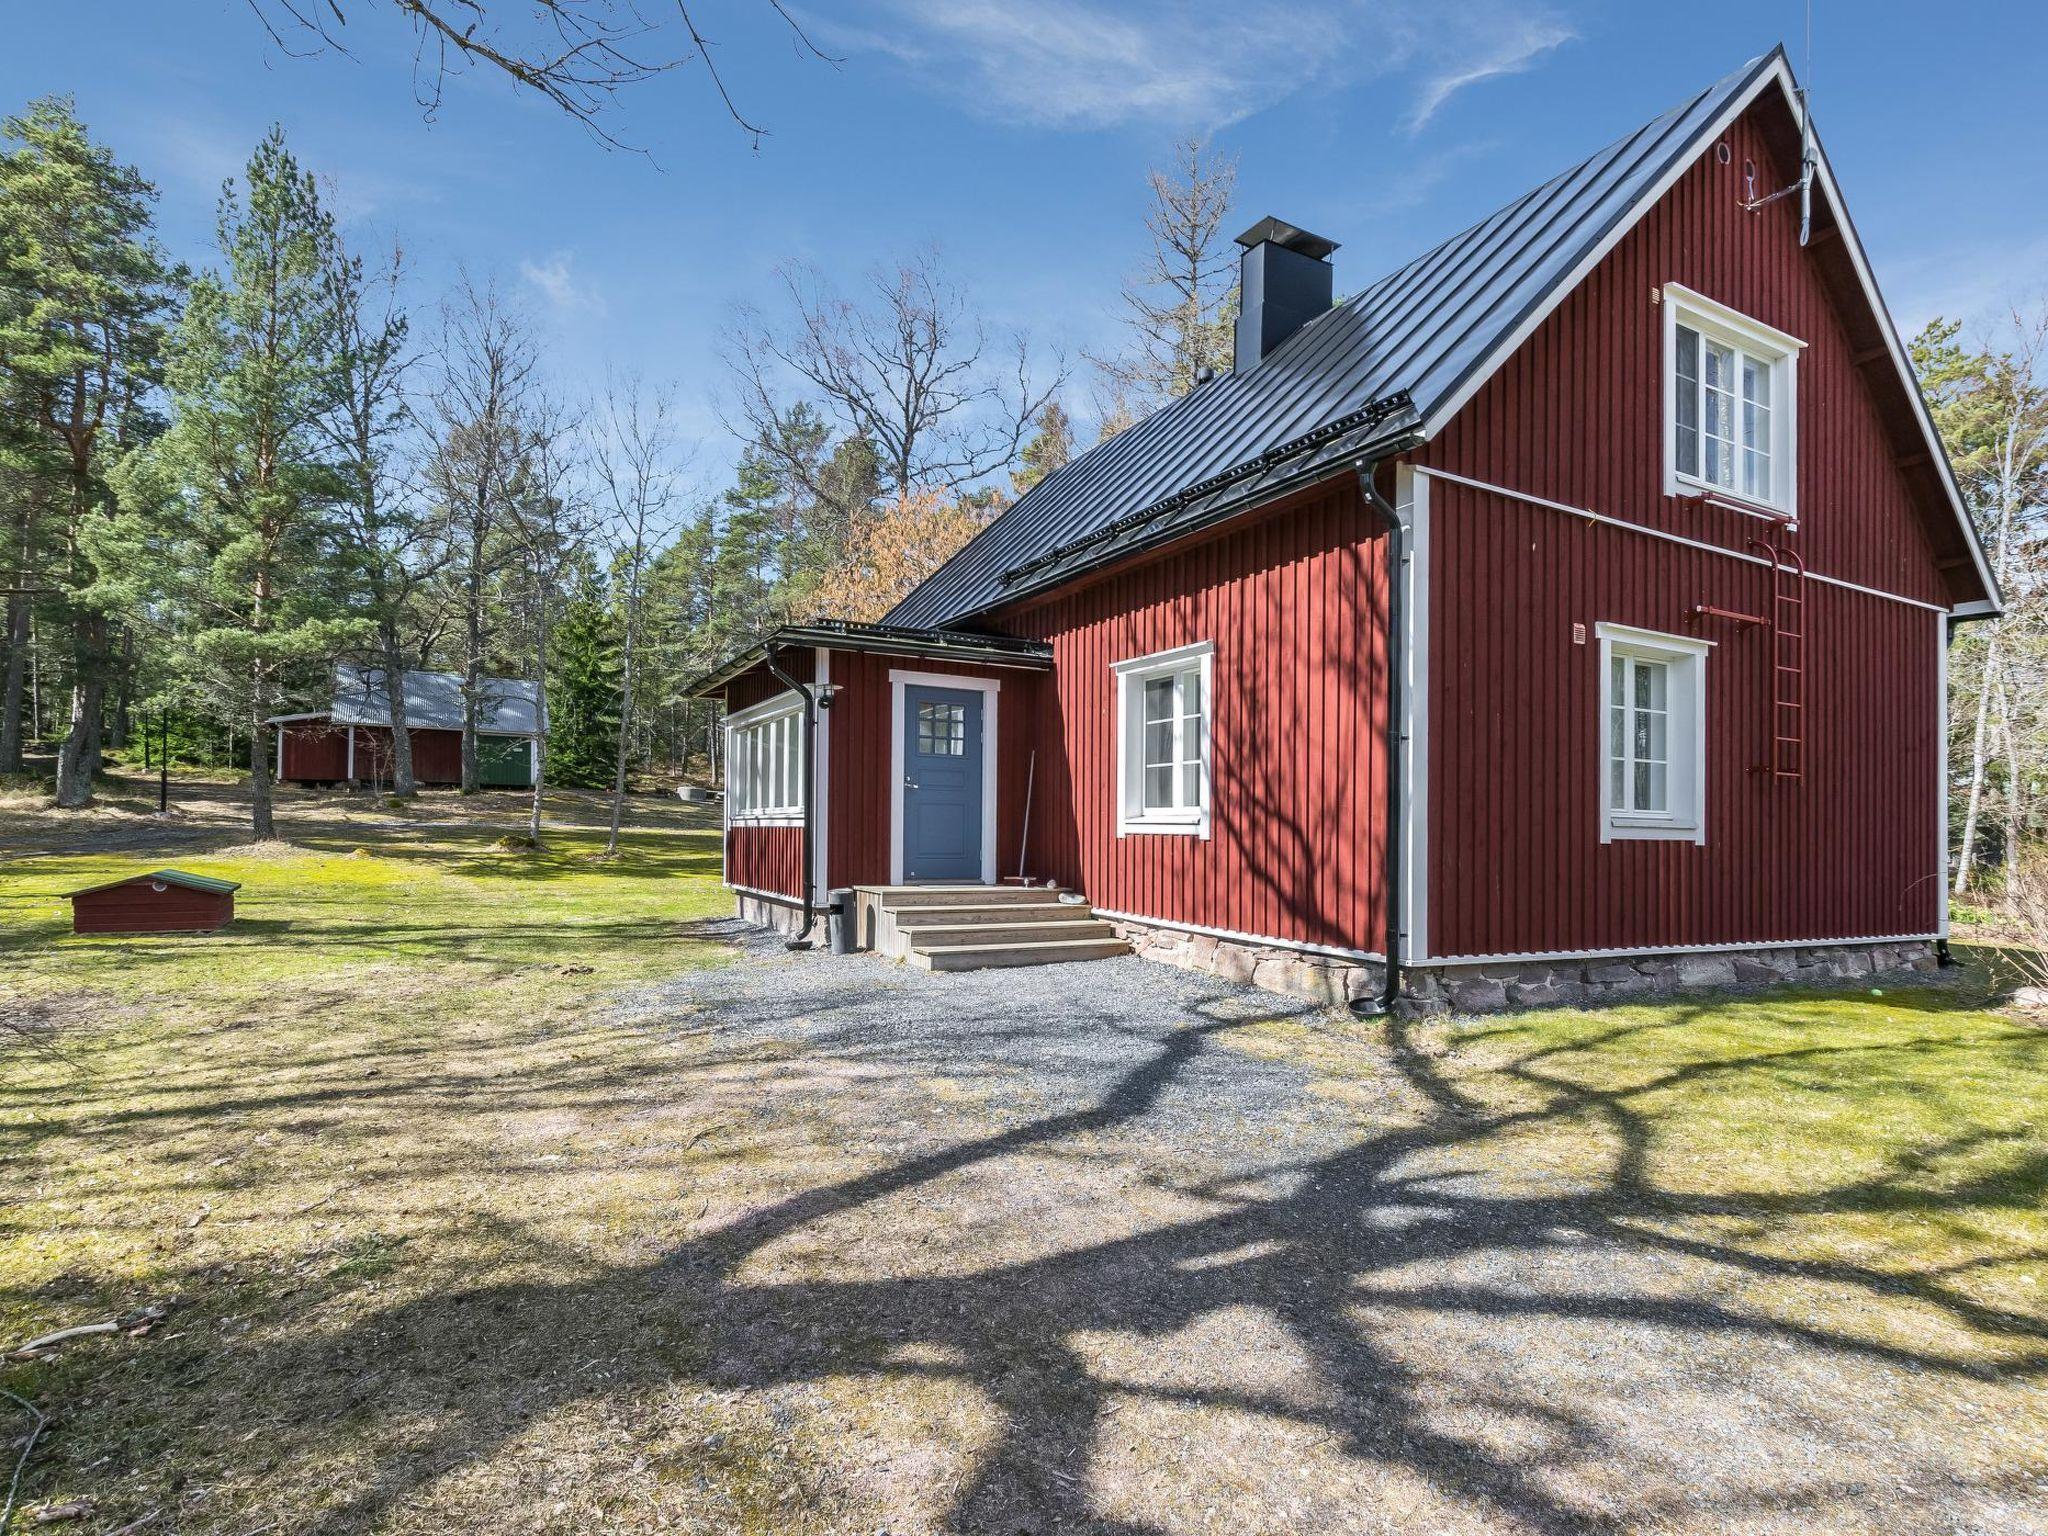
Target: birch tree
(1991, 406)
(390, 537)
(639, 470)
(490, 368)
(907, 368)
(547, 522)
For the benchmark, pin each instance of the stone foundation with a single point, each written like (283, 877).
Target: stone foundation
(1521, 984)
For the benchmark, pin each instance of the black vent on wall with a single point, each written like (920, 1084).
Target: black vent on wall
(1286, 281)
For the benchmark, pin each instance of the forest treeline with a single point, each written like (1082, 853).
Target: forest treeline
(218, 481)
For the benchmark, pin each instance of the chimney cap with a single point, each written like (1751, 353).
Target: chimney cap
(1289, 236)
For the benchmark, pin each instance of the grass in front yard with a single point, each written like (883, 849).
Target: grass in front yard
(1878, 1157)
(450, 1242)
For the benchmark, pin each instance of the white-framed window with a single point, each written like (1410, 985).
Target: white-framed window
(1163, 709)
(1731, 404)
(1653, 735)
(764, 766)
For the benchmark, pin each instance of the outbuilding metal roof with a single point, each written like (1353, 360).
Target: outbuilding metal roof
(1386, 361)
(433, 701)
(170, 877)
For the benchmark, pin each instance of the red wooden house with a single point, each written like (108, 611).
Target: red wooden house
(1563, 615)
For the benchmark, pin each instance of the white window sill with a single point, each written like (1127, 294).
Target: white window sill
(1193, 826)
(768, 819)
(1618, 830)
(1679, 483)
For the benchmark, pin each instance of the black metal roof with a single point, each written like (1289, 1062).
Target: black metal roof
(885, 639)
(1385, 362)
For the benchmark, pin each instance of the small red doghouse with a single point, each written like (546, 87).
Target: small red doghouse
(162, 901)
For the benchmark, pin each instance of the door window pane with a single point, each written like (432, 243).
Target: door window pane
(942, 730)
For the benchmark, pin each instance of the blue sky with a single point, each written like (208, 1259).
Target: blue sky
(1015, 137)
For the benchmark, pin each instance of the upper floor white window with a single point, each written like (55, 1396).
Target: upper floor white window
(1730, 404)
(1163, 706)
(1653, 716)
(764, 771)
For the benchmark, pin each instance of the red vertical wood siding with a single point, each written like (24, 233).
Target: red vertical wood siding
(436, 755)
(766, 858)
(859, 828)
(133, 907)
(1515, 861)
(314, 752)
(1292, 600)
(1516, 864)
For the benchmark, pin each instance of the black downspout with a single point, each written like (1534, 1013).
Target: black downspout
(803, 938)
(1397, 700)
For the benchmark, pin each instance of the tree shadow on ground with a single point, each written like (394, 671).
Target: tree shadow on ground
(1325, 1248)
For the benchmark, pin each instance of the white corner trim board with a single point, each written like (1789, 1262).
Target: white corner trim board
(990, 689)
(1411, 501)
(820, 800)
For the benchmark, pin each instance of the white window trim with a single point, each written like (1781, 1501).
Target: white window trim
(989, 688)
(1129, 675)
(1687, 822)
(788, 703)
(1723, 324)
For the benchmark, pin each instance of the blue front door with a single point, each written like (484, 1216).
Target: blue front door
(942, 748)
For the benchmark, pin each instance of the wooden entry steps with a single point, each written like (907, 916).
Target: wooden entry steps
(969, 927)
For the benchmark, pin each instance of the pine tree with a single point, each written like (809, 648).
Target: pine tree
(1049, 448)
(84, 294)
(253, 376)
(584, 679)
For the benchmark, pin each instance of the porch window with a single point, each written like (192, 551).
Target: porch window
(1652, 735)
(1163, 708)
(764, 762)
(1730, 393)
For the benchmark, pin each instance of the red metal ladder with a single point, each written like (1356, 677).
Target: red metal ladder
(1788, 661)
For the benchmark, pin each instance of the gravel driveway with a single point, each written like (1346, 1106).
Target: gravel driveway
(1111, 1247)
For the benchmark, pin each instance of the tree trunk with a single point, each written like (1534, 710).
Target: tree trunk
(80, 753)
(472, 656)
(261, 822)
(78, 759)
(403, 783)
(123, 689)
(1966, 852)
(540, 719)
(625, 723)
(17, 674)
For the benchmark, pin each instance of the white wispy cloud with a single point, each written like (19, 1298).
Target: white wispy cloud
(1195, 64)
(1510, 54)
(556, 280)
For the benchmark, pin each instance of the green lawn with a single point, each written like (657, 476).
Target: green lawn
(406, 1180)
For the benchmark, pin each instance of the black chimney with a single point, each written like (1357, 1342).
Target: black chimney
(1286, 281)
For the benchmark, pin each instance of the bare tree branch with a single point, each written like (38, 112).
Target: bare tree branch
(576, 54)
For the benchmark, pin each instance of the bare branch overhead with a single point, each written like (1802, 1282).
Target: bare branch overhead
(577, 54)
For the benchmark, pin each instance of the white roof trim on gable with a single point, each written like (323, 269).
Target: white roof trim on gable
(1777, 72)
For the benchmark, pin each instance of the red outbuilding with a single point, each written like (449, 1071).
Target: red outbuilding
(162, 901)
(1563, 616)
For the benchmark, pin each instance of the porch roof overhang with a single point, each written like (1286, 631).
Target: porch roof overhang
(883, 640)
